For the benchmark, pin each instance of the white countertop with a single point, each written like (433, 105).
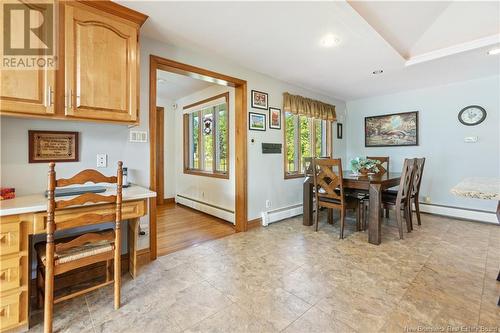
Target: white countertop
(38, 202)
(478, 188)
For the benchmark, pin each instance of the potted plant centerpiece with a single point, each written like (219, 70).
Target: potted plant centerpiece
(364, 166)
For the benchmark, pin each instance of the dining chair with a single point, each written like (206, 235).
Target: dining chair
(328, 182)
(401, 201)
(383, 167)
(415, 191)
(56, 257)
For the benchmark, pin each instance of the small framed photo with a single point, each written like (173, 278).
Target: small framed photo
(256, 121)
(259, 100)
(274, 118)
(339, 131)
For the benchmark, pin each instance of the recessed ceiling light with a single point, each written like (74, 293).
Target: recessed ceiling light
(329, 40)
(378, 71)
(494, 51)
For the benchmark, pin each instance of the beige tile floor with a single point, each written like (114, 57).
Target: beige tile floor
(288, 278)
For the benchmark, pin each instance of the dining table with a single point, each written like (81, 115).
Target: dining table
(373, 185)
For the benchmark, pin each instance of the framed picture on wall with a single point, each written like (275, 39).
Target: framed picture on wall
(259, 100)
(396, 129)
(52, 146)
(256, 121)
(275, 118)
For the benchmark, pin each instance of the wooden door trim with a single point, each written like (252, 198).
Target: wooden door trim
(241, 206)
(160, 118)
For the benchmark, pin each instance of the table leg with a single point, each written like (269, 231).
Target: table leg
(307, 204)
(330, 216)
(498, 211)
(133, 234)
(374, 228)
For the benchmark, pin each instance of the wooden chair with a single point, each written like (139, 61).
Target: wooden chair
(330, 190)
(401, 201)
(57, 257)
(415, 191)
(384, 163)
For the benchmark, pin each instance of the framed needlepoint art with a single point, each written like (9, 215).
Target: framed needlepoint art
(53, 146)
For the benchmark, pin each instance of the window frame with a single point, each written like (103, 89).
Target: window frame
(186, 142)
(298, 156)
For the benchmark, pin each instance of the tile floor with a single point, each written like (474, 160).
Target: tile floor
(288, 278)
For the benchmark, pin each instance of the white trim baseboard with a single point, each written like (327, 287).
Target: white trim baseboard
(461, 213)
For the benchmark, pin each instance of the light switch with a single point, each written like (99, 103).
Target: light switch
(102, 160)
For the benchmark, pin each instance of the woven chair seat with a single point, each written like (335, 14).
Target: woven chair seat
(77, 252)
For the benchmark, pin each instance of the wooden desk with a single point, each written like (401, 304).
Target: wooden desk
(25, 216)
(374, 185)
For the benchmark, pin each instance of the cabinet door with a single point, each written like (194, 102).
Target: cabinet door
(27, 91)
(101, 65)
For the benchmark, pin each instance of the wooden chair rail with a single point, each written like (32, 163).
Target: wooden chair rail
(86, 176)
(85, 198)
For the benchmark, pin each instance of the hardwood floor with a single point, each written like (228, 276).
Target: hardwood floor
(180, 227)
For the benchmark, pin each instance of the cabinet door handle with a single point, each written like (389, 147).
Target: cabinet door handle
(48, 97)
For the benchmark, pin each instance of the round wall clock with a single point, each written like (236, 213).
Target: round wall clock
(472, 115)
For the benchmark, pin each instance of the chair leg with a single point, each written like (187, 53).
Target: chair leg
(387, 213)
(358, 217)
(49, 289)
(399, 220)
(417, 210)
(39, 288)
(117, 265)
(407, 217)
(316, 219)
(342, 218)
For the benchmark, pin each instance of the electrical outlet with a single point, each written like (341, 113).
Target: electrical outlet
(427, 199)
(102, 160)
(268, 203)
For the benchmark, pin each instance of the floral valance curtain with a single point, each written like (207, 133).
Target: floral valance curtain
(308, 107)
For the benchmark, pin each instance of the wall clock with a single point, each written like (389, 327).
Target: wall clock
(472, 115)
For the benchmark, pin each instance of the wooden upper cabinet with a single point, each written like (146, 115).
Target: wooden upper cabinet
(26, 91)
(101, 65)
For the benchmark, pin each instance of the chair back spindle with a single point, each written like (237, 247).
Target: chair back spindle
(417, 177)
(405, 185)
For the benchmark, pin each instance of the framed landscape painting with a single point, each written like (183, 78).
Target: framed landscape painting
(256, 121)
(397, 129)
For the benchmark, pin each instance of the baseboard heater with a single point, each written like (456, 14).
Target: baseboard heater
(460, 213)
(281, 214)
(205, 207)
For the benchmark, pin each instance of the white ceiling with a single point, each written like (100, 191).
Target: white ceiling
(281, 39)
(173, 86)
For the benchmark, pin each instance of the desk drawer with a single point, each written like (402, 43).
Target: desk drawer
(9, 273)
(9, 237)
(9, 310)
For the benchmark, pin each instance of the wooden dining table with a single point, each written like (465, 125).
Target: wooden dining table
(374, 185)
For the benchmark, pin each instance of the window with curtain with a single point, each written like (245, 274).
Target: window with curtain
(304, 137)
(206, 137)
(308, 128)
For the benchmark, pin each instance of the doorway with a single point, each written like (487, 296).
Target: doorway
(240, 140)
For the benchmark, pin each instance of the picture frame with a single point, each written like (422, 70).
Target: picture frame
(339, 131)
(392, 130)
(260, 100)
(256, 121)
(53, 146)
(274, 118)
